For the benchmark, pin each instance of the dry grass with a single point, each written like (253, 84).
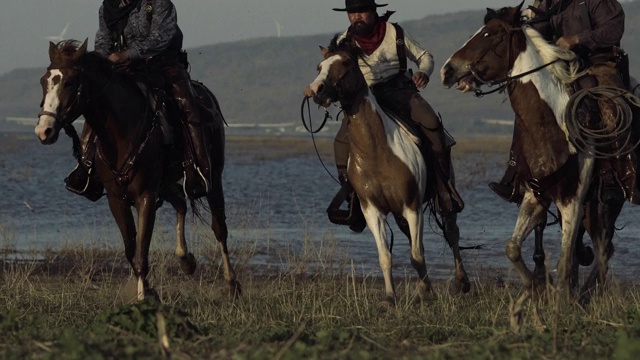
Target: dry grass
(69, 304)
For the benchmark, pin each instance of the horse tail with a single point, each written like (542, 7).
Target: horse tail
(203, 91)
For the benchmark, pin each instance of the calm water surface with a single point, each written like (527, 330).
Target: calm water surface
(275, 208)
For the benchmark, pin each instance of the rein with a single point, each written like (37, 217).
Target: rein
(309, 129)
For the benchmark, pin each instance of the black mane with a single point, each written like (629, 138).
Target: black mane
(347, 44)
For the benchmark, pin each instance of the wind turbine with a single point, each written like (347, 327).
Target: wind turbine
(60, 37)
(279, 28)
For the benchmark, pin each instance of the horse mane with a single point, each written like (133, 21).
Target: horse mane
(566, 71)
(64, 55)
(346, 44)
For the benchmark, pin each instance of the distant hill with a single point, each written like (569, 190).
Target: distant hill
(262, 80)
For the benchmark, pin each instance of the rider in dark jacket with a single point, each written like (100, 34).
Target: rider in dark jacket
(593, 30)
(146, 32)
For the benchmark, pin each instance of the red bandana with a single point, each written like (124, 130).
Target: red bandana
(369, 43)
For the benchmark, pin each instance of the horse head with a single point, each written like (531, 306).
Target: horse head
(339, 76)
(61, 88)
(489, 54)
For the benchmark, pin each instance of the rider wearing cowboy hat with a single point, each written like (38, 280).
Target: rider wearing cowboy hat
(386, 47)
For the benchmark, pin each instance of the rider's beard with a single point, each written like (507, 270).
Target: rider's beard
(361, 28)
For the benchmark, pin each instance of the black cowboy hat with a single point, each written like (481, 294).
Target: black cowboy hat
(359, 5)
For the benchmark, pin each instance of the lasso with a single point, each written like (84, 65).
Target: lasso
(596, 142)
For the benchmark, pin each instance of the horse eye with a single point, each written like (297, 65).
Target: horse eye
(486, 35)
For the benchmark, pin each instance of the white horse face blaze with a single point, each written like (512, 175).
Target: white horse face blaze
(324, 69)
(51, 86)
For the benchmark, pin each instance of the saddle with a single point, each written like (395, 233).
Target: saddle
(420, 139)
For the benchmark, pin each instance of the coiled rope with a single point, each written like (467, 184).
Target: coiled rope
(596, 142)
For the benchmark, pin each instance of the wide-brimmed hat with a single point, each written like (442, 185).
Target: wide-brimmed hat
(359, 5)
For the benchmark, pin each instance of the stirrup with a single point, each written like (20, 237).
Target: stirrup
(196, 192)
(92, 189)
(353, 216)
(80, 190)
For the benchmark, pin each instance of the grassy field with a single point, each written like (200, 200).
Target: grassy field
(72, 304)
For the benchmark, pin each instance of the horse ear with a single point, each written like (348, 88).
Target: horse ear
(491, 14)
(52, 50)
(324, 51)
(83, 48)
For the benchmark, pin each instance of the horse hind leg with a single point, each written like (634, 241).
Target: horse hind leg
(176, 198)
(603, 220)
(219, 227)
(452, 235)
(415, 221)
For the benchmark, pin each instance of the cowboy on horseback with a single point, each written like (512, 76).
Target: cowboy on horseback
(386, 48)
(593, 30)
(146, 32)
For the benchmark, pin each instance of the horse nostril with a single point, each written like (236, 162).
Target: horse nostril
(48, 132)
(320, 89)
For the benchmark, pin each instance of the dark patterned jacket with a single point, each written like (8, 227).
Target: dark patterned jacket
(145, 35)
(599, 24)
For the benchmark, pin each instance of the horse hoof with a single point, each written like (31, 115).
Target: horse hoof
(388, 302)
(235, 289)
(585, 257)
(465, 286)
(188, 264)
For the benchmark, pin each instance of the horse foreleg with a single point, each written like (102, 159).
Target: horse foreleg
(531, 214)
(375, 220)
(124, 219)
(146, 208)
(452, 235)
(415, 220)
(175, 196)
(603, 220)
(540, 269)
(571, 216)
(219, 227)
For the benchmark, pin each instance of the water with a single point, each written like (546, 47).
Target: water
(275, 208)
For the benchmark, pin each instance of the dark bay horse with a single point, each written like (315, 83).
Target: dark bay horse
(536, 75)
(385, 165)
(133, 162)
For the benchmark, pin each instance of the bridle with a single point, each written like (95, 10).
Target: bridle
(63, 119)
(507, 79)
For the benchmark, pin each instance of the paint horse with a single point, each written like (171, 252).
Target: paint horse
(132, 161)
(535, 75)
(385, 167)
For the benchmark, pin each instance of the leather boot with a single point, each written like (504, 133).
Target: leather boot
(506, 188)
(448, 199)
(81, 180)
(353, 216)
(196, 164)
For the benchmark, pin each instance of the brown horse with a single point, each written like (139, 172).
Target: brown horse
(535, 76)
(133, 162)
(385, 168)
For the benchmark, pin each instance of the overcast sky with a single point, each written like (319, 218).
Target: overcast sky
(25, 24)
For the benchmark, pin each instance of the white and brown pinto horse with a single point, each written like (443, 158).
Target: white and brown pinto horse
(385, 165)
(507, 52)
